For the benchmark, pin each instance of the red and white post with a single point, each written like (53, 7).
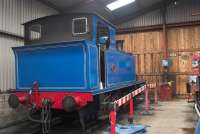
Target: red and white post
(156, 95)
(112, 116)
(118, 103)
(131, 109)
(147, 105)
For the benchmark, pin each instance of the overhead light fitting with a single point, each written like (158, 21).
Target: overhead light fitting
(175, 2)
(118, 3)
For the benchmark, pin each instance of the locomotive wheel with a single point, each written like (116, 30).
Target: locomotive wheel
(13, 101)
(88, 114)
(69, 104)
(82, 119)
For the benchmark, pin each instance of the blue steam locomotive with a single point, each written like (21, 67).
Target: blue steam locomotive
(71, 62)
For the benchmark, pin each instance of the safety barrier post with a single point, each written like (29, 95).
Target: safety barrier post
(156, 95)
(147, 105)
(118, 103)
(113, 121)
(131, 109)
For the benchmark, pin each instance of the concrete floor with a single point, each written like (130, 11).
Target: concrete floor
(173, 117)
(8, 115)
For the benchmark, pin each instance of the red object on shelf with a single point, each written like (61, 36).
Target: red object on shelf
(165, 92)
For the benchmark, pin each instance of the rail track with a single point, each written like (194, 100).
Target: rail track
(60, 127)
(69, 126)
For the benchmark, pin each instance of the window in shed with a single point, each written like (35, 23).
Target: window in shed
(79, 26)
(35, 32)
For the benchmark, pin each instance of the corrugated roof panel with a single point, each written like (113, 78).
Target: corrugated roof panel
(12, 14)
(7, 66)
(15, 12)
(152, 18)
(182, 11)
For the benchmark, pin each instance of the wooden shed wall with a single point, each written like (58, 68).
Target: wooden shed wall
(183, 42)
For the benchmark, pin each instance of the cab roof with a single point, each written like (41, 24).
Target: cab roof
(70, 14)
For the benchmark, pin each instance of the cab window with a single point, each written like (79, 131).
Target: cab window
(80, 26)
(35, 32)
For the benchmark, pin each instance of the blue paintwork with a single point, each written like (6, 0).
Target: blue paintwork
(125, 69)
(58, 66)
(73, 66)
(127, 129)
(197, 129)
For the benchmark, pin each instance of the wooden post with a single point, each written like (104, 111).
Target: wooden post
(165, 40)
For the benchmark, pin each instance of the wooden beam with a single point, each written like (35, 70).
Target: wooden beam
(165, 41)
(185, 50)
(139, 29)
(151, 74)
(196, 14)
(147, 52)
(160, 74)
(156, 27)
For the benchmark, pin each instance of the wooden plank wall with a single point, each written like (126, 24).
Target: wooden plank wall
(183, 43)
(147, 46)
